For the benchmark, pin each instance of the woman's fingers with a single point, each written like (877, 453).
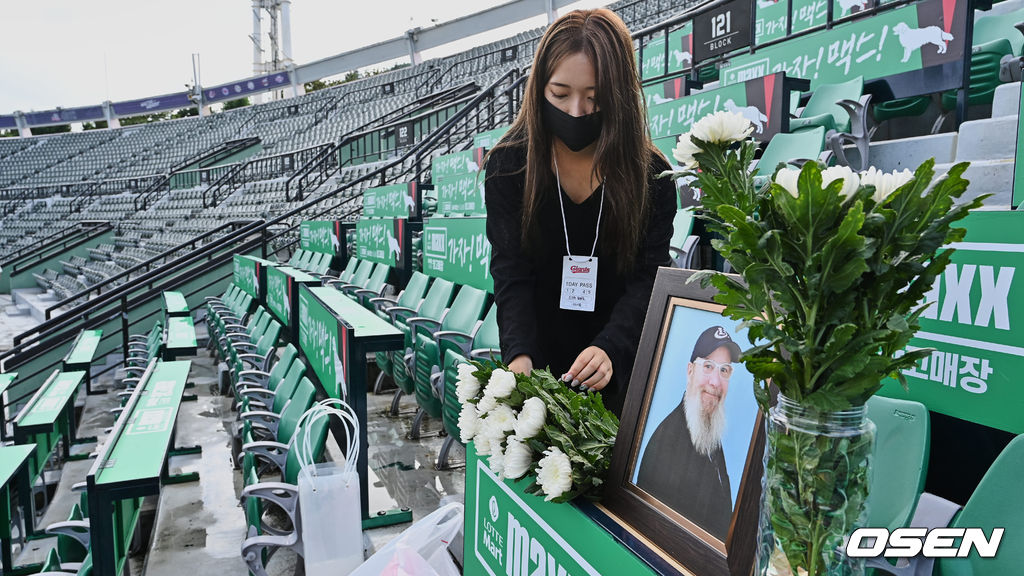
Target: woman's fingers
(592, 369)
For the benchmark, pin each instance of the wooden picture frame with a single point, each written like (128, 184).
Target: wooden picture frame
(689, 531)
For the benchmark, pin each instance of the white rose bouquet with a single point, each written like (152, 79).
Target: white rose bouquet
(535, 425)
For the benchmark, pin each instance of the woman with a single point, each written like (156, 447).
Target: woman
(577, 174)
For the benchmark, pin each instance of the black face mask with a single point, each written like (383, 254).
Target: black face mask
(577, 132)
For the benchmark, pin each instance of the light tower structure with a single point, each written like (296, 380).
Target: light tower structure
(277, 57)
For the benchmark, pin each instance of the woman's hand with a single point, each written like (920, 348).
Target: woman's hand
(521, 364)
(592, 369)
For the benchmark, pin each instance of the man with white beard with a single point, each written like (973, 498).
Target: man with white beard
(683, 465)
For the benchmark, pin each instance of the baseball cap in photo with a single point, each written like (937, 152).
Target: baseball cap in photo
(712, 339)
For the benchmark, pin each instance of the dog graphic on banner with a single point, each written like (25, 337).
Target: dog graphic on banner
(915, 38)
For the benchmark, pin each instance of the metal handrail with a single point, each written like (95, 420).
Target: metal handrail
(90, 228)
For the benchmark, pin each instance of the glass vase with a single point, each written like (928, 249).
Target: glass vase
(814, 490)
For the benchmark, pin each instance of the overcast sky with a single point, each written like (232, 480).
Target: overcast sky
(72, 53)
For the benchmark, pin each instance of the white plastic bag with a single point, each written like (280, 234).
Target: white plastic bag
(332, 532)
(421, 550)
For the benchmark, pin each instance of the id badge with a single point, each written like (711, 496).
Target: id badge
(579, 283)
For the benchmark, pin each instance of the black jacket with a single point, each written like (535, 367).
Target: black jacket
(695, 485)
(527, 286)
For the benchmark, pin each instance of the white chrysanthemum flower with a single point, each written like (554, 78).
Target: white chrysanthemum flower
(466, 386)
(787, 178)
(469, 422)
(685, 150)
(851, 182)
(486, 404)
(502, 418)
(482, 440)
(554, 473)
(501, 384)
(531, 418)
(884, 183)
(497, 461)
(722, 127)
(518, 458)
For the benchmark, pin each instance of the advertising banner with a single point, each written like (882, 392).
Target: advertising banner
(457, 249)
(382, 241)
(458, 163)
(318, 340)
(461, 195)
(65, 115)
(278, 301)
(246, 275)
(761, 100)
(246, 87)
(489, 139)
(680, 53)
(153, 104)
(394, 201)
(902, 40)
(319, 236)
(510, 532)
(771, 20)
(976, 326)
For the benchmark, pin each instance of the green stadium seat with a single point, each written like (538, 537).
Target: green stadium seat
(409, 299)
(459, 322)
(432, 307)
(682, 245)
(456, 349)
(795, 147)
(823, 107)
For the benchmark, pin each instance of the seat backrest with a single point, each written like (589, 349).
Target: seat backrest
(321, 263)
(317, 438)
(437, 299)
(998, 501)
(1000, 26)
(900, 460)
(682, 225)
(362, 273)
(487, 335)
(297, 258)
(466, 310)
(301, 400)
(414, 289)
(269, 338)
(284, 363)
(350, 269)
(824, 99)
(806, 144)
(378, 278)
(287, 387)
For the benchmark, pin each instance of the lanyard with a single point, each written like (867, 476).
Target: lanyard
(565, 227)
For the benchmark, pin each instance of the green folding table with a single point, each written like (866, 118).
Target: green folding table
(361, 332)
(180, 338)
(48, 416)
(82, 354)
(175, 304)
(133, 463)
(13, 465)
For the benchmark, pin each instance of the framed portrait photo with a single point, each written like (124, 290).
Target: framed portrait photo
(685, 475)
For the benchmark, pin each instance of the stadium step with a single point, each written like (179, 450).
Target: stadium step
(987, 177)
(1006, 100)
(989, 139)
(909, 153)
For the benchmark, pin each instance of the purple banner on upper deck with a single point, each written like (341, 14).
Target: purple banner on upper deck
(245, 87)
(152, 104)
(65, 115)
(8, 122)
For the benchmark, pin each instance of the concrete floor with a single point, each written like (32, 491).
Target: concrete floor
(201, 524)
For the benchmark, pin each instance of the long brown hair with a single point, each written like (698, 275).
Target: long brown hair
(624, 148)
